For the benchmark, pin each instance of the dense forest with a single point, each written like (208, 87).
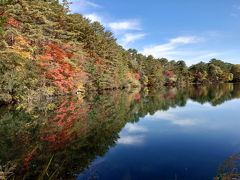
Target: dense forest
(46, 50)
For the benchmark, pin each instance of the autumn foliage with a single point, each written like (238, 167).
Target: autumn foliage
(137, 76)
(169, 73)
(66, 53)
(59, 131)
(57, 67)
(13, 22)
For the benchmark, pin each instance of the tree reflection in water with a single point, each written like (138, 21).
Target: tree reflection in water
(61, 137)
(230, 169)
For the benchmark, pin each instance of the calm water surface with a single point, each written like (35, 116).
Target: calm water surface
(190, 133)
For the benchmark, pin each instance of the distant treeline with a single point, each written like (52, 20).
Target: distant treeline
(45, 50)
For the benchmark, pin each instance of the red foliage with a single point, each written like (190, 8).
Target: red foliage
(13, 22)
(57, 68)
(28, 158)
(66, 115)
(137, 76)
(137, 97)
(169, 73)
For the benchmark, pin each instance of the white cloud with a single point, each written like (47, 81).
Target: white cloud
(94, 17)
(122, 29)
(127, 31)
(92, 4)
(170, 47)
(125, 25)
(184, 40)
(131, 139)
(134, 128)
(132, 134)
(81, 6)
(130, 38)
(181, 48)
(167, 116)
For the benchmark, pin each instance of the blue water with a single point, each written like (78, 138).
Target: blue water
(182, 143)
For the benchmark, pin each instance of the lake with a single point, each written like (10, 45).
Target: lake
(173, 133)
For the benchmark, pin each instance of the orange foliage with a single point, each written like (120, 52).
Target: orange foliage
(55, 62)
(99, 61)
(13, 22)
(137, 76)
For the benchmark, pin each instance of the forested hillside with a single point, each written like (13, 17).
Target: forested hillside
(45, 50)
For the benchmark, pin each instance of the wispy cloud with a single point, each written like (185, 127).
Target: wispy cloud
(183, 47)
(92, 4)
(235, 15)
(170, 48)
(131, 140)
(184, 40)
(237, 7)
(130, 38)
(132, 134)
(81, 6)
(236, 11)
(125, 25)
(134, 128)
(94, 17)
(126, 31)
(176, 120)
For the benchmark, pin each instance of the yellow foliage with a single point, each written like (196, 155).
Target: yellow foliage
(49, 91)
(22, 47)
(132, 81)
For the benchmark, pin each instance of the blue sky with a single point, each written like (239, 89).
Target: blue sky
(190, 30)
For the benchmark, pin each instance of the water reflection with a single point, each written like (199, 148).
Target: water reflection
(60, 138)
(229, 169)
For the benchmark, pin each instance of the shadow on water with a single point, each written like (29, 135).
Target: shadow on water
(59, 138)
